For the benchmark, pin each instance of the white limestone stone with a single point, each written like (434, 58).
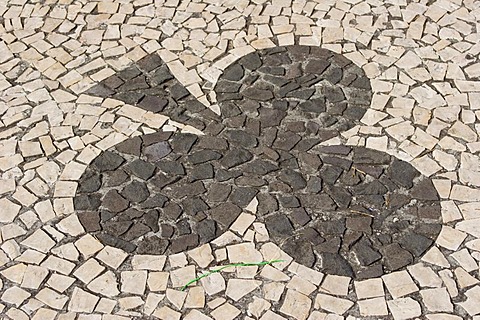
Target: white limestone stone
(404, 308)
(373, 307)
(369, 288)
(399, 284)
(133, 281)
(296, 305)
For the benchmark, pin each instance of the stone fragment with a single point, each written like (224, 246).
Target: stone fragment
(238, 288)
(399, 284)
(332, 304)
(296, 305)
(404, 308)
(82, 301)
(437, 300)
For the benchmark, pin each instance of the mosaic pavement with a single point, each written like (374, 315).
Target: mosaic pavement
(144, 143)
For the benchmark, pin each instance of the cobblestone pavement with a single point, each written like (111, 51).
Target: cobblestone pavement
(144, 143)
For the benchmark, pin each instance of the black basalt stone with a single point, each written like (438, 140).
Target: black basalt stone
(136, 192)
(142, 169)
(301, 251)
(107, 161)
(279, 226)
(87, 202)
(225, 213)
(114, 202)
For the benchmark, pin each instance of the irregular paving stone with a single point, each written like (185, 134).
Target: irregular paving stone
(114, 202)
(107, 161)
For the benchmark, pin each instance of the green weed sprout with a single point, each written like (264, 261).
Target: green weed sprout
(263, 263)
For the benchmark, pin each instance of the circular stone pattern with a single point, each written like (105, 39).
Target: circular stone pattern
(342, 210)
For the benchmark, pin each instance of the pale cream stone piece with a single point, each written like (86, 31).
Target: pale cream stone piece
(195, 298)
(52, 299)
(213, 284)
(35, 277)
(40, 241)
(177, 260)
(301, 285)
(57, 264)
(464, 193)
(225, 239)
(462, 131)
(133, 282)
(271, 251)
(399, 284)
(15, 296)
(404, 308)
(425, 276)
(335, 285)
(182, 276)
(7, 185)
(464, 279)
(371, 117)
(465, 260)
(423, 139)
(446, 160)
(274, 274)
(244, 252)
(426, 165)
(332, 304)
(63, 206)
(88, 245)
(373, 307)
(196, 315)
(112, 257)
(243, 222)
(435, 256)
(296, 305)
(258, 306)
(31, 257)
(129, 303)
(167, 313)
(261, 232)
(151, 303)
(157, 281)
(88, 271)
(473, 245)
(471, 227)
(472, 304)
(202, 255)
(450, 238)
(238, 288)
(401, 131)
(443, 316)
(70, 225)
(9, 210)
(437, 300)
(82, 301)
(60, 282)
(369, 288)
(67, 251)
(467, 86)
(25, 197)
(105, 306)
(450, 284)
(308, 274)
(148, 262)
(269, 315)
(65, 189)
(225, 312)
(443, 187)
